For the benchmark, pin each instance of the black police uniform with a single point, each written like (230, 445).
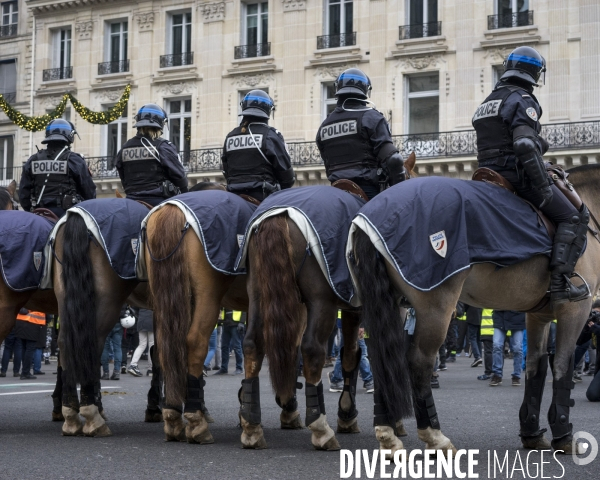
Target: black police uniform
(257, 164)
(354, 142)
(511, 111)
(61, 181)
(147, 178)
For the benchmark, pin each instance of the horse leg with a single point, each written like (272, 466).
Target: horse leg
(351, 354)
(249, 393)
(70, 405)
(321, 315)
(153, 412)
(570, 322)
(537, 366)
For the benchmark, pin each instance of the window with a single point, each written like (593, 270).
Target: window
(255, 31)
(329, 101)
(423, 103)
(497, 72)
(510, 13)
(61, 56)
(338, 25)
(179, 40)
(6, 158)
(422, 20)
(8, 80)
(115, 134)
(116, 49)
(10, 17)
(180, 124)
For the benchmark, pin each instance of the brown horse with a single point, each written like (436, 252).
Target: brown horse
(518, 287)
(292, 305)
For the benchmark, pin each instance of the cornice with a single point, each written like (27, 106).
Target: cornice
(42, 7)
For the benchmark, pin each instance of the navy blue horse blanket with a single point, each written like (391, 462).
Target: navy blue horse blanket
(431, 228)
(23, 236)
(323, 214)
(218, 218)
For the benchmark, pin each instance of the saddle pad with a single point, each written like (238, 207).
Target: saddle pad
(218, 218)
(323, 214)
(115, 224)
(23, 236)
(431, 228)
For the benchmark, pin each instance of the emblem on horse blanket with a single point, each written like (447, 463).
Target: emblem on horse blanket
(23, 236)
(218, 218)
(323, 214)
(115, 225)
(465, 222)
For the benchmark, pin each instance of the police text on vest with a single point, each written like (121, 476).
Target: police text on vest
(488, 109)
(338, 129)
(44, 167)
(239, 142)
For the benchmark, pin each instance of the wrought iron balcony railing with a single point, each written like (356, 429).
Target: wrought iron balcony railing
(518, 19)
(57, 74)
(8, 30)
(249, 51)
(10, 97)
(430, 29)
(339, 40)
(113, 67)
(176, 59)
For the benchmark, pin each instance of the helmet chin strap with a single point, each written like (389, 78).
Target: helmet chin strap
(366, 100)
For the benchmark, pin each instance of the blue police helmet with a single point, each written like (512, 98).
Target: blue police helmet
(353, 81)
(524, 63)
(257, 103)
(59, 130)
(151, 115)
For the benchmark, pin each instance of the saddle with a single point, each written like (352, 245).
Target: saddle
(350, 187)
(46, 213)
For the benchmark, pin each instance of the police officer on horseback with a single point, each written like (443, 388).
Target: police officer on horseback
(56, 178)
(149, 166)
(509, 142)
(355, 140)
(255, 158)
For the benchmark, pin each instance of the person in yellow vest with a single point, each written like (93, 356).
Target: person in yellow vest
(27, 331)
(462, 342)
(233, 331)
(486, 335)
(511, 324)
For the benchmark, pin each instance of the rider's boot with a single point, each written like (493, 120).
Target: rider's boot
(569, 242)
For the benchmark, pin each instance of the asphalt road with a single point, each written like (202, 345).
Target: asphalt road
(472, 414)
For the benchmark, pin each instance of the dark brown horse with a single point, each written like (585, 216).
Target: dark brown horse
(292, 305)
(398, 368)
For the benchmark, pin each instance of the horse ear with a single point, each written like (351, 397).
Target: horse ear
(12, 188)
(409, 163)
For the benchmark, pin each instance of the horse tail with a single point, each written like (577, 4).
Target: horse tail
(170, 288)
(274, 279)
(78, 318)
(381, 317)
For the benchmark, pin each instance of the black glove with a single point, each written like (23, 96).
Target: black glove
(395, 169)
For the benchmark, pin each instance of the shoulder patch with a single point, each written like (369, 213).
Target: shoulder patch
(526, 96)
(532, 113)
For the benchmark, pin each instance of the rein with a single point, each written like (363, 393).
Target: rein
(594, 232)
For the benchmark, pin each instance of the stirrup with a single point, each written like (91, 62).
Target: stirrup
(569, 287)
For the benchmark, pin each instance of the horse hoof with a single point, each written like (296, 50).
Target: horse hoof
(330, 445)
(248, 441)
(174, 427)
(197, 430)
(400, 430)
(348, 426)
(388, 440)
(102, 431)
(57, 417)
(565, 446)
(95, 425)
(72, 426)
(291, 420)
(201, 438)
(536, 443)
(209, 418)
(153, 416)
(180, 437)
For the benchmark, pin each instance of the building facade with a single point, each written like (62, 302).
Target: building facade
(430, 62)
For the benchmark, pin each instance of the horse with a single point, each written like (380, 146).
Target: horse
(7, 197)
(402, 371)
(292, 305)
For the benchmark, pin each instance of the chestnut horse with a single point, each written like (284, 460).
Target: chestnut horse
(400, 369)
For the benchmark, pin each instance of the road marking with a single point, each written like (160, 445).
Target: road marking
(40, 391)
(25, 385)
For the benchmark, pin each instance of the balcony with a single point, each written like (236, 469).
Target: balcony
(10, 97)
(431, 29)
(107, 68)
(176, 60)
(8, 30)
(338, 40)
(57, 74)
(251, 51)
(511, 20)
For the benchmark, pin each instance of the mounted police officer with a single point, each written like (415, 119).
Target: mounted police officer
(149, 166)
(56, 178)
(355, 140)
(255, 158)
(508, 141)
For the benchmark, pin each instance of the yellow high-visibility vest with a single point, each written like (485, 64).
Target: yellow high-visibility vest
(236, 315)
(487, 323)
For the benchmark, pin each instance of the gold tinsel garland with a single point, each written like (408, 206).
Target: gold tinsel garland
(34, 124)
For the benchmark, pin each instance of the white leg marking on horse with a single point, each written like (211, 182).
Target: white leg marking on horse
(197, 430)
(95, 426)
(388, 440)
(72, 425)
(323, 437)
(435, 439)
(252, 435)
(174, 427)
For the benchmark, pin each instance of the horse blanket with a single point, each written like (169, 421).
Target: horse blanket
(431, 228)
(218, 218)
(23, 236)
(115, 224)
(323, 214)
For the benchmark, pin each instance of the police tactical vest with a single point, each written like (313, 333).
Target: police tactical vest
(141, 171)
(494, 138)
(344, 146)
(53, 176)
(244, 160)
